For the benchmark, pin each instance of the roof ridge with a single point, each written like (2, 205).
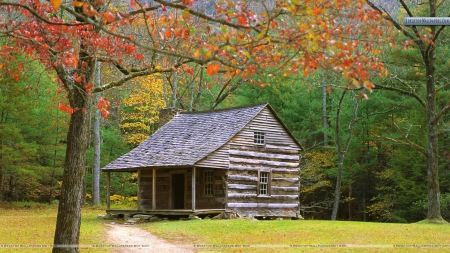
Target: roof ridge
(225, 109)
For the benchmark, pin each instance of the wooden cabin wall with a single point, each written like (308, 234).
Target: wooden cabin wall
(279, 156)
(217, 159)
(207, 202)
(162, 189)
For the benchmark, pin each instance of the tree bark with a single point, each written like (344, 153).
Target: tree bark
(97, 150)
(68, 222)
(434, 206)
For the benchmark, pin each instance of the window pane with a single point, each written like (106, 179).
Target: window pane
(263, 183)
(208, 182)
(259, 138)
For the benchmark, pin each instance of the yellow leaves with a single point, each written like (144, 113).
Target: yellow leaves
(197, 53)
(368, 85)
(159, 68)
(185, 14)
(55, 4)
(144, 103)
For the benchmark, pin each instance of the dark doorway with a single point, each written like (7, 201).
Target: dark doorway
(178, 191)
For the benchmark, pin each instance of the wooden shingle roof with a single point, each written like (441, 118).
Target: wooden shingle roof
(187, 139)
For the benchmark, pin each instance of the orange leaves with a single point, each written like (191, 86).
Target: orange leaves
(317, 11)
(186, 2)
(62, 106)
(109, 17)
(168, 34)
(368, 85)
(213, 69)
(65, 108)
(55, 4)
(77, 3)
(197, 53)
(88, 87)
(89, 11)
(103, 106)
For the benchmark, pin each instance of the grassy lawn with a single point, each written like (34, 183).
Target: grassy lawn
(35, 224)
(31, 223)
(306, 236)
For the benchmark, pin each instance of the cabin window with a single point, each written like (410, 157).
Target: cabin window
(259, 138)
(208, 183)
(264, 183)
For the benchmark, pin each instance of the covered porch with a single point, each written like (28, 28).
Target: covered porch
(174, 191)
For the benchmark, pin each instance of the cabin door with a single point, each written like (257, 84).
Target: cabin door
(178, 191)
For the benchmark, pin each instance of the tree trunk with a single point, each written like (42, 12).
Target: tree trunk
(68, 222)
(97, 150)
(434, 207)
(342, 151)
(324, 110)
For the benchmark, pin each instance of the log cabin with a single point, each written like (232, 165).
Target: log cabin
(241, 160)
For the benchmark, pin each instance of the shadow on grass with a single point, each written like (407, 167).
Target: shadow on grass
(434, 221)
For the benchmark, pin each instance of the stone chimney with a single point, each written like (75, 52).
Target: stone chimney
(166, 114)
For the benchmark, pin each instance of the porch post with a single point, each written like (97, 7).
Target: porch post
(154, 189)
(193, 188)
(139, 190)
(108, 190)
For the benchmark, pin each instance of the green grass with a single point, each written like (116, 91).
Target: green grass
(35, 225)
(32, 223)
(276, 236)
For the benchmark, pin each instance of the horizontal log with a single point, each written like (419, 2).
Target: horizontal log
(263, 155)
(254, 195)
(283, 147)
(283, 170)
(251, 147)
(242, 186)
(286, 189)
(265, 205)
(242, 195)
(285, 197)
(242, 167)
(264, 162)
(286, 179)
(242, 177)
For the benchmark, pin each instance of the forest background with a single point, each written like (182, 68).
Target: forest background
(382, 180)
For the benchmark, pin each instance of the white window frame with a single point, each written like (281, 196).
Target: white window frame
(259, 138)
(264, 183)
(208, 186)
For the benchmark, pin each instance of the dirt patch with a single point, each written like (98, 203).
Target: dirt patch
(132, 239)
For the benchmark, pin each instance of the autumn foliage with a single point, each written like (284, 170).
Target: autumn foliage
(238, 39)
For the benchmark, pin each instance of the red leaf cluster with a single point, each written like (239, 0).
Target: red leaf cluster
(63, 107)
(103, 106)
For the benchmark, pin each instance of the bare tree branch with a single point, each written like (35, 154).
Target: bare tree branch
(406, 141)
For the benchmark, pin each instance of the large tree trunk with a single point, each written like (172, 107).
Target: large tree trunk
(68, 222)
(434, 206)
